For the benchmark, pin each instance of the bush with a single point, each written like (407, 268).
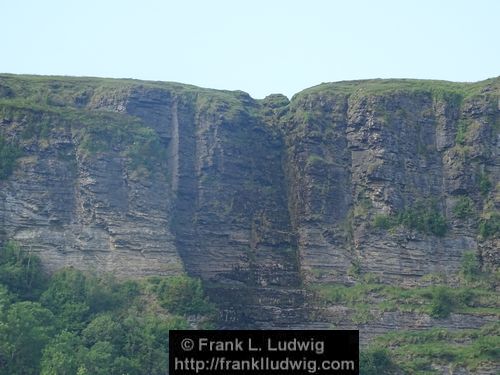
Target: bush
(442, 302)
(484, 183)
(384, 221)
(423, 216)
(375, 362)
(460, 137)
(490, 227)
(8, 156)
(470, 267)
(183, 295)
(488, 346)
(146, 151)
(464, 208)
(355, 268)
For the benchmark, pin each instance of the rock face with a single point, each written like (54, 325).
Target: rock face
(255, 197)
(358, 151)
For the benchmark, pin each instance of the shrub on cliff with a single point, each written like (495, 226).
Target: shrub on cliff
(375, 362)
(183, 295)
(442, 302)
(490, 227)
(423, 216)
(8, 156)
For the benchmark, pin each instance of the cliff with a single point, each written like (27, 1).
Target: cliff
(361, 153)
(392, 180)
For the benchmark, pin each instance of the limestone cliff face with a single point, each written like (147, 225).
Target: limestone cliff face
(255, 197)
(143, 179)
(357, 151)
(80, 208)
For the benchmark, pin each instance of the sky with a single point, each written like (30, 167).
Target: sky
(258, 46)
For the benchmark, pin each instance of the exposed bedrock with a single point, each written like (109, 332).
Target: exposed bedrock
(259, 198)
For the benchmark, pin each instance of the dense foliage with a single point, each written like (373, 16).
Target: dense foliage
(423, 216)
(76, 323)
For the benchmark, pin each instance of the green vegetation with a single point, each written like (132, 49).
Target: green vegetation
(77, 91)
(96, 132)
(275, 101)
(476, 294)
(416, 352)
(375, 361)
(485, 184)
(231, 105)
(443, 301)
(423, 216)
(384, 221)
(88, 109)
(355, 268)
(146, 151)
(76, 323)
(490, 226)
(20, 272)
(9, 153)
(464, 208)
(182, 295)
(488, 222)
(470, 269)
(461, 135)
(453, 91)
(437, 300)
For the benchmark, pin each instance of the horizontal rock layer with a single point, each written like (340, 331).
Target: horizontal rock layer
(256, 197)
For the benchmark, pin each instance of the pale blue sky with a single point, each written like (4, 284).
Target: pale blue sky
(259, 46)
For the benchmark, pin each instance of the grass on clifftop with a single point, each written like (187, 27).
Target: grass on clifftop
(77, 91)
(94, 131)
(382, 86)
(89, 107)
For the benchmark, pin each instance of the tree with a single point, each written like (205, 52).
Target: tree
(103, 328)
(183, 295)
(5, 299)
(146, 341)
(63, 355)
(20, 271)
(66, 297)
(27, 328)
(99, 359)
